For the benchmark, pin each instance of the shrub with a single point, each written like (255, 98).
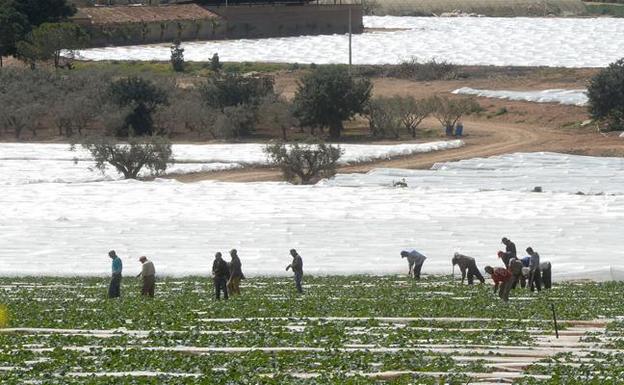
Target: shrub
(143, 97)
(304, 163)
(235, 122)
(177, 57)
(429, 70)
(606, 96)
(230, 90)
(329, 95)
(150, 153)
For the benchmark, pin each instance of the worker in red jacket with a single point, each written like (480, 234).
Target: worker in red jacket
(503, 280)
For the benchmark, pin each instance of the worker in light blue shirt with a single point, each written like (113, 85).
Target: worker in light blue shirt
(114, 289)
(415, 261)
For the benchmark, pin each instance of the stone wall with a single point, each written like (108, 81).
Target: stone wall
(156, 32)
(260, 21)
(233, 22)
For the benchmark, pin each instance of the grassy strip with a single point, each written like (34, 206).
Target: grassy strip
(602, 9)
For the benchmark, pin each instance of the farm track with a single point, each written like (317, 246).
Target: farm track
(484, 139)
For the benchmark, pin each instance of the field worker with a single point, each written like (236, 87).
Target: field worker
(517, 274)
(459, 128)
(535, 274)
(502, 281)
(236, 273)
(114, 289)
(546, 269)
(510, 251)
(415, 262)
(467, 264)
(148, 272)
(220, 275)
(297, 268)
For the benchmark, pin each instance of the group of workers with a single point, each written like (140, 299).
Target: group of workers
(226, 275)
(529, 271)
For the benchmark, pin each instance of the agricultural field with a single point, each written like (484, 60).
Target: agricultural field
(343, 330)
(550, 42)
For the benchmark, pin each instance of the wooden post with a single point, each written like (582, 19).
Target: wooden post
(350, 50)
(552, 306)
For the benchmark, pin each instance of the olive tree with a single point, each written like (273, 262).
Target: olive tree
(449, 111)
(304, 163)
(138, 153)
(606, 96)
(144, 97)
(328, 96)
(384, 118)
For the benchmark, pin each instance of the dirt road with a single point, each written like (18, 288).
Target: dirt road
(483, 139)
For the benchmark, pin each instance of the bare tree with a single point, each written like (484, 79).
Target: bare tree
(449, 111)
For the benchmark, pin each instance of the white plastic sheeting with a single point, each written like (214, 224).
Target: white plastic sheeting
(22, 163)
(338, 227)
(561, 96)
(553, 42)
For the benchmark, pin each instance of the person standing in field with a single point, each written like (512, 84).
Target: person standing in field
(114, 289)
(297, 268)
(148, 272)
(510, 251)
(535, 274)
(220, 275)
(236, 274)
(467, 265)
(502, 281)
(415, 262)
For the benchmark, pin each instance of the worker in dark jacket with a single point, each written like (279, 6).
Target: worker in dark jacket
(502, 281)
(297, 268)
(535, 273)
(546, 269)
(510, 251)
(515, 268)
(236, 273)
(220, 275)
(469, 265)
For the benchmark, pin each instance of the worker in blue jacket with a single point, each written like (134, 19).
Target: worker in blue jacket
(114, 289)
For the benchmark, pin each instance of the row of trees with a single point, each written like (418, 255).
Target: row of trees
(222, 106)
(389, 117)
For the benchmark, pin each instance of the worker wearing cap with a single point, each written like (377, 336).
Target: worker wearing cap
(148, 272)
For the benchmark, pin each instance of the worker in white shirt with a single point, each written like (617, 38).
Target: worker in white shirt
(148, 272)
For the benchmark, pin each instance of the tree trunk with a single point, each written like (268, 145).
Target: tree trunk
(334, 130)
(284, 129)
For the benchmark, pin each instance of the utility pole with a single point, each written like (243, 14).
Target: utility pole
(350, 50)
